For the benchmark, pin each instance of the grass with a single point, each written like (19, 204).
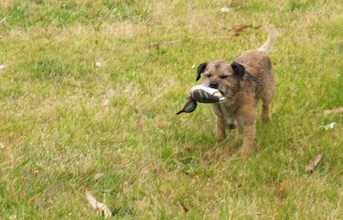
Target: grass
(93, 87)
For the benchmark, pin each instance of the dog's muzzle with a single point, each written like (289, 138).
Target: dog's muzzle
(214, 85)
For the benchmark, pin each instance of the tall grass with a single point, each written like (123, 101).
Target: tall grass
(93, 87)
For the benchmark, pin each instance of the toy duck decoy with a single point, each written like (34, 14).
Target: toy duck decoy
(189, 106)
(201, 94)
(205, 94)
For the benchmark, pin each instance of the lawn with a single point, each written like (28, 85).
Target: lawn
(88, 99)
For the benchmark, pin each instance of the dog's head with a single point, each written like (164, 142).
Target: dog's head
(222, 75)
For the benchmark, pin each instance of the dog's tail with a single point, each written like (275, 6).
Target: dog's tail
(273, 34)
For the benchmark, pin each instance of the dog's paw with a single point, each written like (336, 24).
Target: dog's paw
(231, 125)
(266, 119)
(220, 138)
(246, 152)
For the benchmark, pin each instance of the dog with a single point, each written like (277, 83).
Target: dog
(245, 81)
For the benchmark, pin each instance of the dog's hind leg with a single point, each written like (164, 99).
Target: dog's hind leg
(267, 99)
(248, 148)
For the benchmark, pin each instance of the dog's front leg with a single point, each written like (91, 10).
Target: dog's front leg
(220, 129)
(249, 131)
(265, 113)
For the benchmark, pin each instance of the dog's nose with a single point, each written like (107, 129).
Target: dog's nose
(214, 85)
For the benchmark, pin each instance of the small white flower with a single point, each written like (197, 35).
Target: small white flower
(2, 66)
(225, 9)
(330, 126)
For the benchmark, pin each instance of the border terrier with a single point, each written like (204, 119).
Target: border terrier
(243, 82)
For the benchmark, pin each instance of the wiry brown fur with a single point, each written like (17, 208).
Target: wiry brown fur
(244, 82)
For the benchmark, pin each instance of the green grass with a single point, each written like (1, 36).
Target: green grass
(65, 59)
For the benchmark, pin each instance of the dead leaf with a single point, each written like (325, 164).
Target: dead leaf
(236, 30)
(282, 189)
(91, 199)
(98, 176)
(185, 209)
(333, 111)
(313, 163)
(98, 205)
(105, 102)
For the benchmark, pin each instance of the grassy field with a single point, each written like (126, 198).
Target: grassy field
(91, 88)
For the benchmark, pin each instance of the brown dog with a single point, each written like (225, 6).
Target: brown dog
(243, 83)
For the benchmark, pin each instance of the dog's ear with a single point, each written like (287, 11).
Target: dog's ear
(200, 70)
(239, 69)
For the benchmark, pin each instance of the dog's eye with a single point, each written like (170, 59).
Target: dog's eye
(224, 76)
(208, 75)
